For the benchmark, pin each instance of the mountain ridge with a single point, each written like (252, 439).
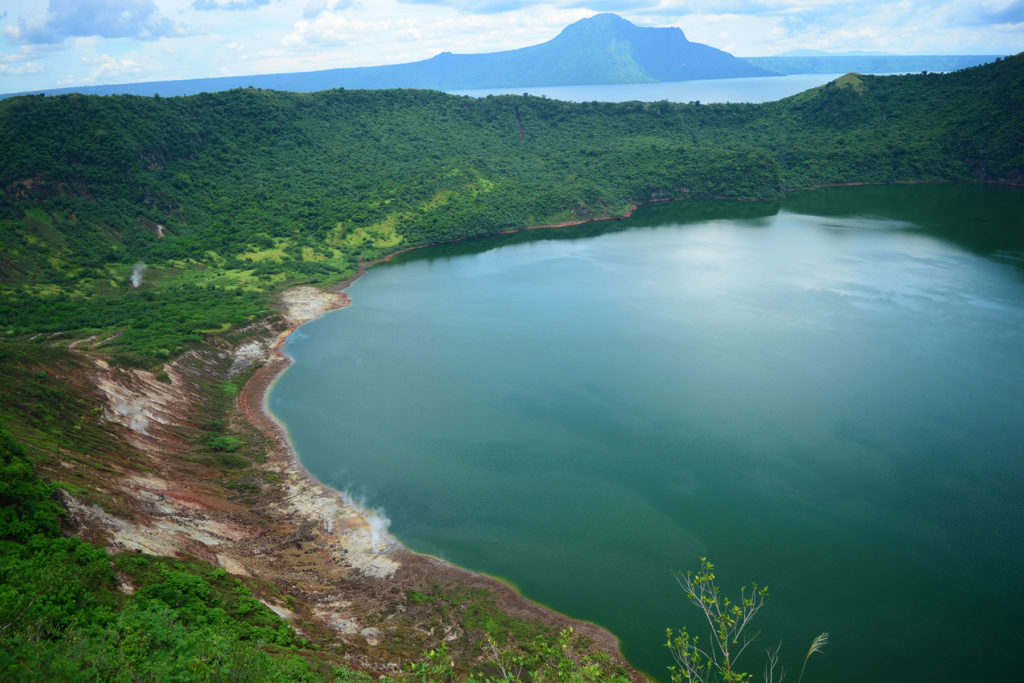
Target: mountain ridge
(601, 49)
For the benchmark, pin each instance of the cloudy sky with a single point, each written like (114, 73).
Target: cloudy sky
(54, 43)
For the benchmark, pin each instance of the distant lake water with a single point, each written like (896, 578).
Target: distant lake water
(824, 395)
(708, 91)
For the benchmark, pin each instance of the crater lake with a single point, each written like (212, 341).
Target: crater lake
(823, 394)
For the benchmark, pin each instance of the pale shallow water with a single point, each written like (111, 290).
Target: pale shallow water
(757, 89)
(824, 395)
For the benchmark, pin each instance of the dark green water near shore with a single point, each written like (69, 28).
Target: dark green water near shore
(824, 394)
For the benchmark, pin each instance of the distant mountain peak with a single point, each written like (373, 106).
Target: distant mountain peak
(611, 49)
(604, 48)
(603, 19)
(608, 22)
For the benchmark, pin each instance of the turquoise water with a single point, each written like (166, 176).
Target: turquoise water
(824, 395)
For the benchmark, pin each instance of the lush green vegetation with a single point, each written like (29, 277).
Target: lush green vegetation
(229, 196)
(510, 649)
(540, 661)
(716, 657)
(68, 611)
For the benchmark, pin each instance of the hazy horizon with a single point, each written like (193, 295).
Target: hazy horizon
(48, 44)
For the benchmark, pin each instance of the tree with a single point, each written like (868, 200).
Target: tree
(728, 621)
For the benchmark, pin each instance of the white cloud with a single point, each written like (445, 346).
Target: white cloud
(480, 6)
(899, 26)
(1006, 12)
(314, 8)
(230, 5)
(28, 60)
(22, 69)
(337, 29)
(105, 68)
(418, 32)
(65, 19)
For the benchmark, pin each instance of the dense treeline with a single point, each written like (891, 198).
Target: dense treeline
(246, 191)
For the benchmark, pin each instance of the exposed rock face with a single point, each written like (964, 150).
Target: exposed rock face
(303, 304)
(135, 399)
(182, 509)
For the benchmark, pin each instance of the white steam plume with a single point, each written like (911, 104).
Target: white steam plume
(377, 521)
(379, 524)
(137, 270)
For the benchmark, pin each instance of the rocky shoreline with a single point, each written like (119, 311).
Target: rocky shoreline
(344, 530)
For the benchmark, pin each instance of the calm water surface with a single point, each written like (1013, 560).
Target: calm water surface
(825, 395)
(756, 89)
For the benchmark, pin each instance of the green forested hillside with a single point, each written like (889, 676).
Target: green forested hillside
(226, 197)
